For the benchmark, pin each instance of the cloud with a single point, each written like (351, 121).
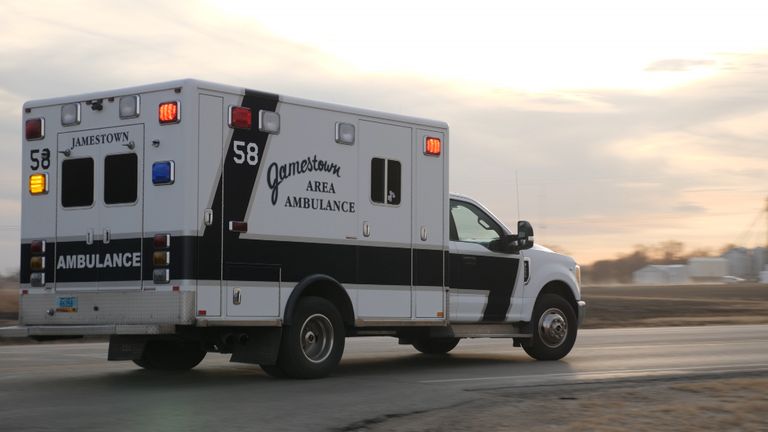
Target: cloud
(678, 65)
(598, 170)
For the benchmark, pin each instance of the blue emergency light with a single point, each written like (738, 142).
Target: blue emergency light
(163, 173)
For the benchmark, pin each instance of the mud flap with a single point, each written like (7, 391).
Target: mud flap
(259, 346)
(126, 347)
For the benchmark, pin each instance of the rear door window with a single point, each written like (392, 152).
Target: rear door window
(120, 178)
(77, 182)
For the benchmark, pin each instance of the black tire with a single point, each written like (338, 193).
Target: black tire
(554, 328)
(436, 345)
(313, 342)
(171, 355)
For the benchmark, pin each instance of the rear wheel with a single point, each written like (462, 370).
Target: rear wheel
(313, 343)
(554, 328)
(436, 345)
(171, 355)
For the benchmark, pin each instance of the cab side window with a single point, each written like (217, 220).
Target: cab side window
(470, 224)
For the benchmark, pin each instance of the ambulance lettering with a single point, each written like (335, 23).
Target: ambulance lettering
(114, 260)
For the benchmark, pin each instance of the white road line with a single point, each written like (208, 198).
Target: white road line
(612, 373)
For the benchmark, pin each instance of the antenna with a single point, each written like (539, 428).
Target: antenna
(517, 195)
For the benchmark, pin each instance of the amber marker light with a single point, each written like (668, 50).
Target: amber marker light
(38, 184)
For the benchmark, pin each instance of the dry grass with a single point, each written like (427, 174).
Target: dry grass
(730, 404)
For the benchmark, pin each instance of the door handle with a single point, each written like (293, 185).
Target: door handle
(107, 236)
(470, 260)
(208, 217)
(89, 237)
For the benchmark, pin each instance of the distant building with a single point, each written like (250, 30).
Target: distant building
(703, 269)
(661, 275)
(739, 262)
(746, 263)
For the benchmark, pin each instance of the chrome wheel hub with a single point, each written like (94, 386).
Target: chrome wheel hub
(316, 338)
(553, 327)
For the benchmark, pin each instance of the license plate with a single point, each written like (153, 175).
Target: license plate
(66, 304)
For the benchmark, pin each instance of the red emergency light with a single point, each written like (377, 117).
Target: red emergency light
(240, 117)
(168, 112)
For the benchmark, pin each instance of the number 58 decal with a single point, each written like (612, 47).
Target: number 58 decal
(40, 159)
(246, 153)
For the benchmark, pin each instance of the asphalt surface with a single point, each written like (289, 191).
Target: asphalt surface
(72, 386)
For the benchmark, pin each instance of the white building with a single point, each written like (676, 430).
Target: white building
(707, 268)
(661, 275)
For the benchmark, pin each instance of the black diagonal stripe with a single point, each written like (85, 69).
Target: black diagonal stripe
(496, 275)
(234, 187)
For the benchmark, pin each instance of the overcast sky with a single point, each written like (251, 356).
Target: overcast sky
(625, 122)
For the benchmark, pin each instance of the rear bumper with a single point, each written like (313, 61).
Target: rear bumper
(108, 309)
(582, 312)
(85, 330)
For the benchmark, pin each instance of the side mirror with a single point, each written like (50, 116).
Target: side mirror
(524, 235)
(514, 243)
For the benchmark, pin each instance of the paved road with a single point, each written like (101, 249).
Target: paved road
(73, 387)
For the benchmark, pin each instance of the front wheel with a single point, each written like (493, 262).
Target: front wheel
(171, 355)
(436, 345)
(313, 343)
(554, 328)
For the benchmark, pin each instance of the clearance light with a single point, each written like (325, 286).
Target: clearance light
(37, 247)
(129, 106)
(168, 112)
(38, 184)
(162, 241)
(432, 146)
(269, 122)
(345, 133)
(34, 129)
(37, 280)
(161, 258)
(163, 173)
(37, 263)
(240, 117)
(161, 276)
(70, 114)
(202, 312)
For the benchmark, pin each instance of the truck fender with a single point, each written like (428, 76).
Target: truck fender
(320, 285)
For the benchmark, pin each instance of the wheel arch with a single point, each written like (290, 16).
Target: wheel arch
(562, 289)
(323, 286)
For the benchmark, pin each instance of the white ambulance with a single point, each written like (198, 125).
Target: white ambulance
(189, 217)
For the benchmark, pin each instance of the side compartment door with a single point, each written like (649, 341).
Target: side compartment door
(429, 202)
(485, 280)
(210, 147)
(384, 203)
(252, 286)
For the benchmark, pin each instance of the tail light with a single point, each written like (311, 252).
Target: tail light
(161, 258)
